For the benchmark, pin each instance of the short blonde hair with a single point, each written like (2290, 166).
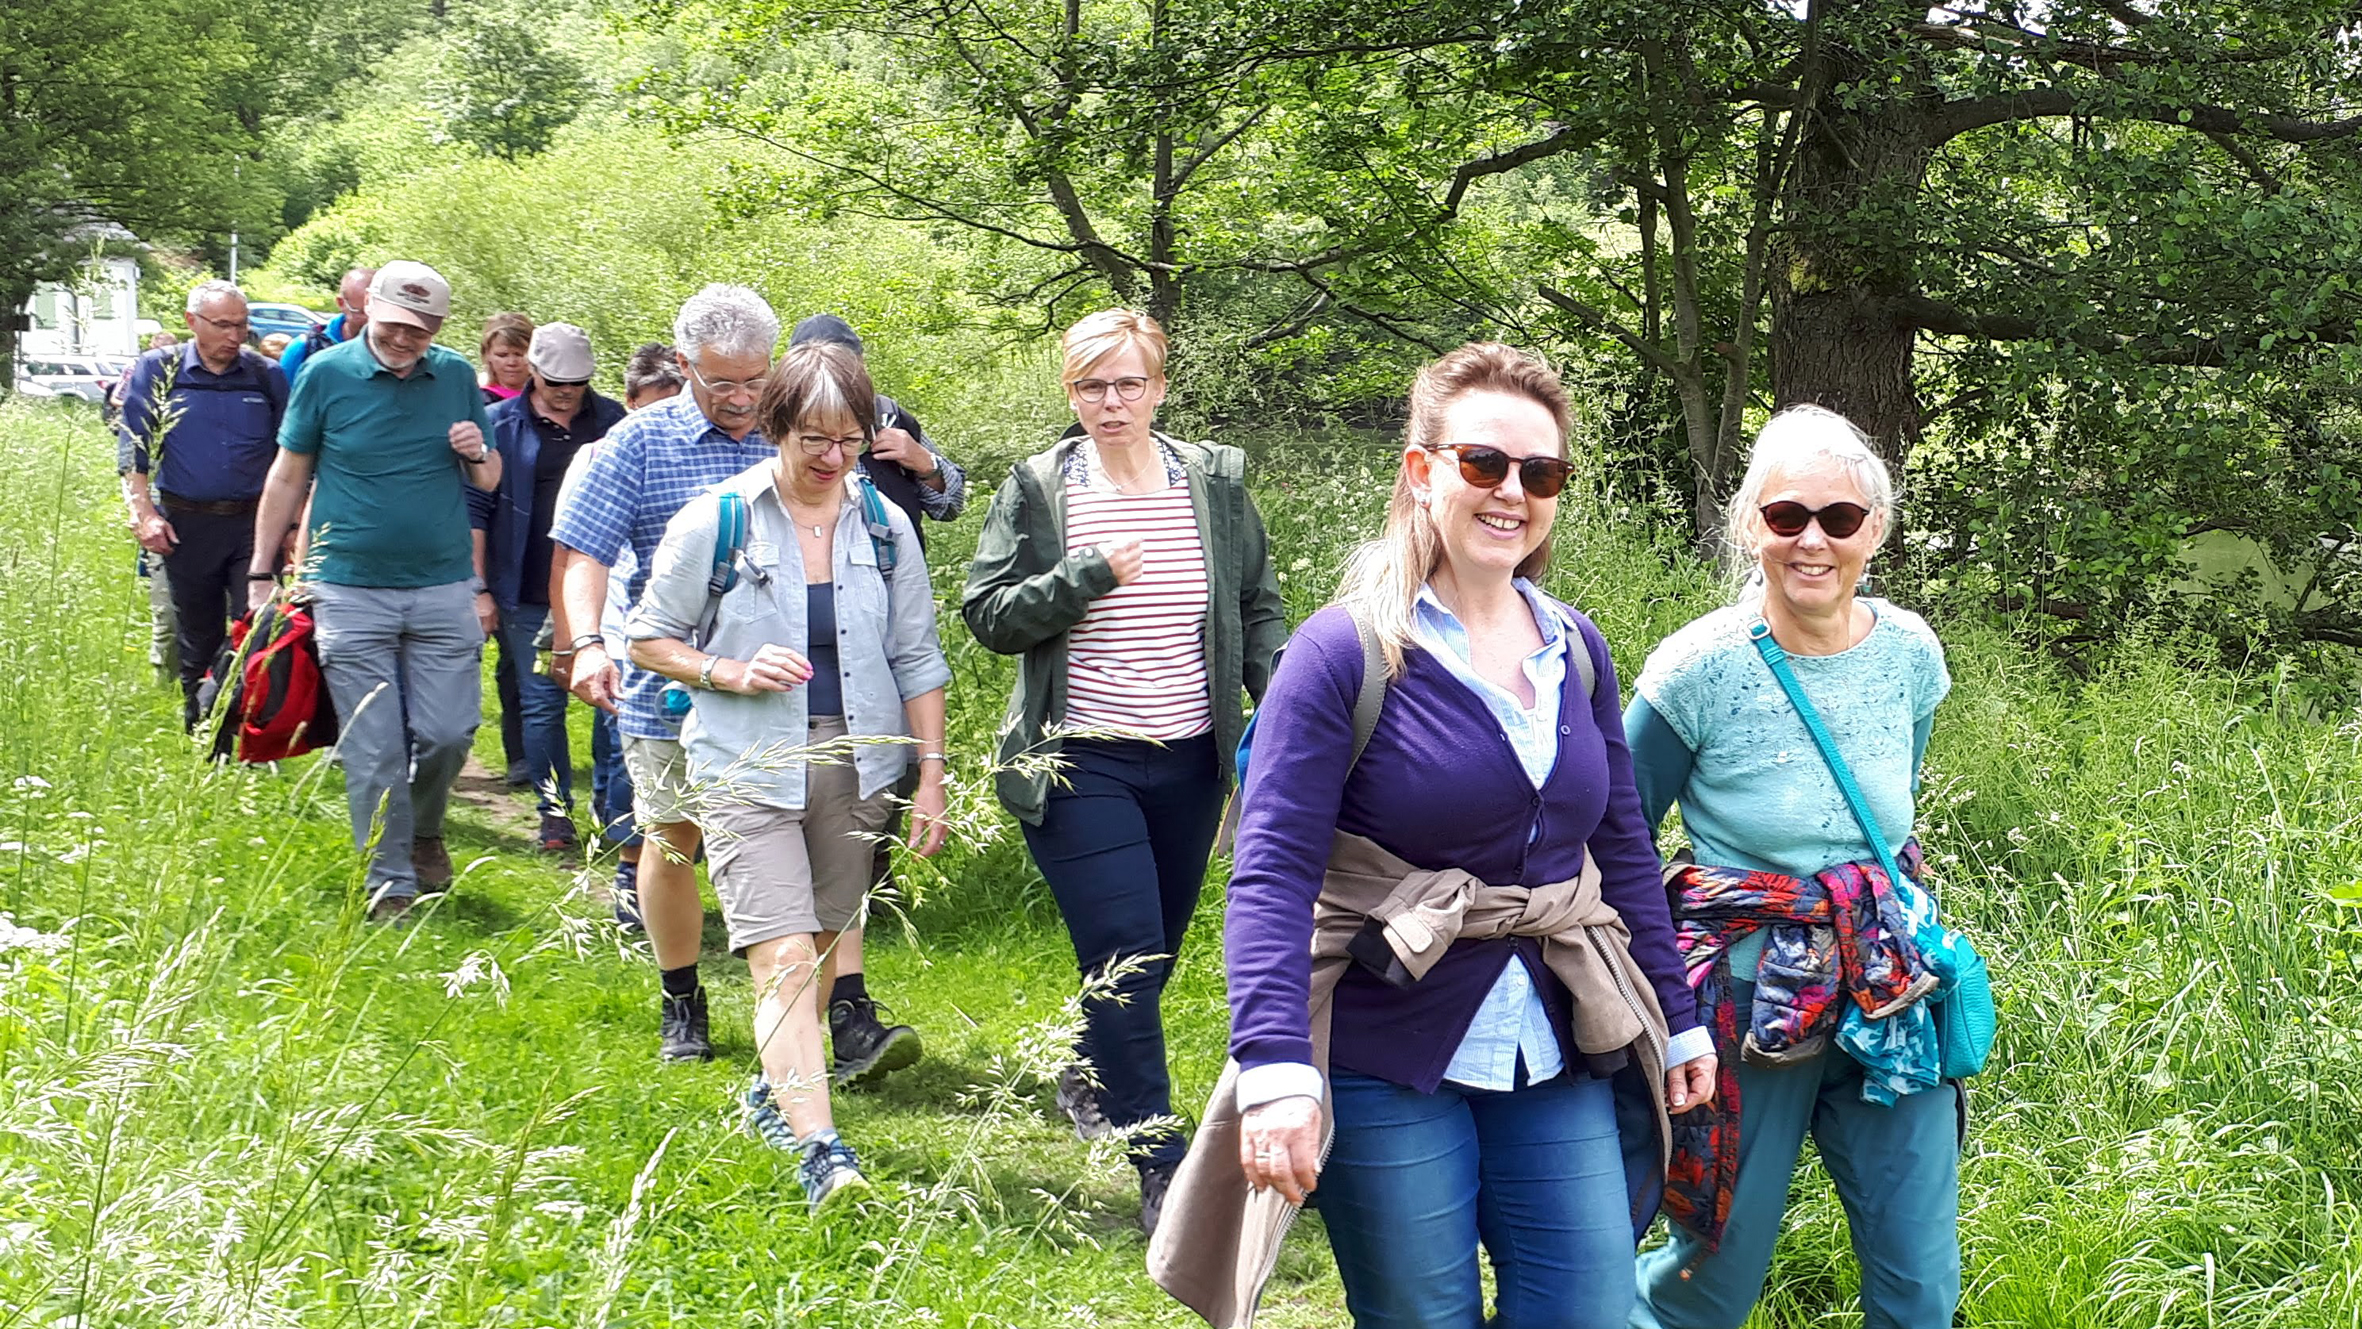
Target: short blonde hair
(1101, 335)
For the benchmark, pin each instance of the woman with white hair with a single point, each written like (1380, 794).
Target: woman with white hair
(1801, 950)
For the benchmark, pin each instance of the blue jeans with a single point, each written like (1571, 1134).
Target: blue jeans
(1416, 1181)
(611, 782)
(1897, 1170)
(541, 704)
(1124, 846)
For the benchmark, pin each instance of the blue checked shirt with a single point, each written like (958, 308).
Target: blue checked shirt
(649, 467)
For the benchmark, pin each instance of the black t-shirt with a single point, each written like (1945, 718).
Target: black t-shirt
(558, 446)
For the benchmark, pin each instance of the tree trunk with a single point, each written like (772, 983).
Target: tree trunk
(1841, 268)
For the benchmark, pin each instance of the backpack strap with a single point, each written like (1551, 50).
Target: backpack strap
(881, 526)
(1776, 660)
(729, 541)
(1371, 699)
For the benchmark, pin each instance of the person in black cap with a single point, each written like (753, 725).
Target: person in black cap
(908, 469)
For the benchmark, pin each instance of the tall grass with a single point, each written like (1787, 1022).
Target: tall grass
(227, 1099)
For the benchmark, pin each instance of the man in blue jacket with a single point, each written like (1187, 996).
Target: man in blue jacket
(537, 433)
(202, 418)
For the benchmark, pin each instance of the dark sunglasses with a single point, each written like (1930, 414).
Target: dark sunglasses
(1787, 518)
(1486, 468)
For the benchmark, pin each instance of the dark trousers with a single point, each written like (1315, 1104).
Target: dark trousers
(207, 573)
(512, 700)
(1124, 849)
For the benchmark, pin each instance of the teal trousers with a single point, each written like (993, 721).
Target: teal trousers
(1897, 1171)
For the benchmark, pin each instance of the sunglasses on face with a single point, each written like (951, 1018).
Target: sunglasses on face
(1486, 468)
(1787, 518)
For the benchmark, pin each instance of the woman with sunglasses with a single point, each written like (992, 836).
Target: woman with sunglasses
(1523, 980)
(1128, 570)
(816, 679)
(1712, 728)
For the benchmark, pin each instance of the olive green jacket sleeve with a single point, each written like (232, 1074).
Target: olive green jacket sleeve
(1023, 591)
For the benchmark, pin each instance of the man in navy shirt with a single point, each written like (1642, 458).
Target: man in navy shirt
(200, 424)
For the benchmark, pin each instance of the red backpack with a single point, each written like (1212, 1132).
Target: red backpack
(277, 703)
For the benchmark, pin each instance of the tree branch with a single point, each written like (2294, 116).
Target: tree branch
(1958, 117)
(1562, 139)
(1600, 320)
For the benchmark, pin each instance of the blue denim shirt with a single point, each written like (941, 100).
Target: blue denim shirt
(887, 649)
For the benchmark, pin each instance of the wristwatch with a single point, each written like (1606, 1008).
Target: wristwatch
(705, 672)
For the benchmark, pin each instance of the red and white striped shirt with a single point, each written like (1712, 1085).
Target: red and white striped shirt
(1137, 661)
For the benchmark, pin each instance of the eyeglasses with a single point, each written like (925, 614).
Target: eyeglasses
(818, 445)
(225, 324)
(1486, 468)
(1838, 520)
(1095, 389)
(752, 387)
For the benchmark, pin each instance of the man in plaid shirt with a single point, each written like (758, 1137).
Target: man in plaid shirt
(651, 464)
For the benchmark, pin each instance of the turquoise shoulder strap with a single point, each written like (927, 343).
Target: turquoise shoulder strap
(881, 526)
(1760, 633)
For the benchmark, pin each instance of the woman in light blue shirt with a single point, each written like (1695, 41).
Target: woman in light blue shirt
(817, 679)
(1711, 728)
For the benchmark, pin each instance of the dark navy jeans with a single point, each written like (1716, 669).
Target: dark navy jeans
(541, 710)
(1124, 848)
(611, 783)
(1416, 1181)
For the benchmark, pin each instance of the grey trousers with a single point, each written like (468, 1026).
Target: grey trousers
(163, 623)
(404, 668)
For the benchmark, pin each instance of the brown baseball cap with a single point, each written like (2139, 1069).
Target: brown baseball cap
(408, 292)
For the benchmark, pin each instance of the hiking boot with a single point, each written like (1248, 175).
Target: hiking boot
(520, 774)
(557, 833)
(432, 862)
(863, 1047)
(681, 1029)
(391, 908)
(627, 897)
(830, 1170)
(1155, 1180)
(1078, 1098)
(764, 1121)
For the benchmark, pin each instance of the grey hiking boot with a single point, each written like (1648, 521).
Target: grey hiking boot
(1155, 1180)
(864, 1047)
(681, 1028)
(1078, 1098)
(831, 1171)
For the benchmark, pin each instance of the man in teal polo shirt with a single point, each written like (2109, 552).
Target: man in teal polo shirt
(384, 431)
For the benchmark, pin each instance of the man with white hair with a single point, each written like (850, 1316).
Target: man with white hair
(199, 428)
(649, 467)
(387, 431)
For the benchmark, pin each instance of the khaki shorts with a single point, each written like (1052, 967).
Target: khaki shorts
(781, 872)
(659, 769)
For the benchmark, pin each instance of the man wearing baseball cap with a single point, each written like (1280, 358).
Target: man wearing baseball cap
(387, 433)
(536, 434)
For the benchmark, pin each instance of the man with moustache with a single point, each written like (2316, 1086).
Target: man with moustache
(387, 431)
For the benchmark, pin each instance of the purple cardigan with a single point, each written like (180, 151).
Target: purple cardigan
(1439, 786)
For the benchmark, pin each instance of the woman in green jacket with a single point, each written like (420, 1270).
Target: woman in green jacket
(1128, 571)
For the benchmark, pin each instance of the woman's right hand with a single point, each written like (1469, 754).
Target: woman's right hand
(773, 669)
(1124, 558)
(1279, 1146)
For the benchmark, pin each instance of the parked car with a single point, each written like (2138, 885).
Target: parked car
(84, 376)
(294, 320)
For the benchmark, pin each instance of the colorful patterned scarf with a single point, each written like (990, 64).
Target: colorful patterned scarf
(1842, 960)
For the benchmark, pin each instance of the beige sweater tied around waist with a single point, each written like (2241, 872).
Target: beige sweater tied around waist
(1218, 1239)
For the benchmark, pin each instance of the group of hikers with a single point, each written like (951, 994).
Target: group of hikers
(1472, 1008)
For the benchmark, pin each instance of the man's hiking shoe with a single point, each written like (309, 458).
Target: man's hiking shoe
(520, 774)
(764, 1121)
(391, 908)
(1079, 1100)
(432, 862)
(1155, 1180)
(557, 833)
(863, 1047)
(831, 1171)
(682, 1035)
(627, 898)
